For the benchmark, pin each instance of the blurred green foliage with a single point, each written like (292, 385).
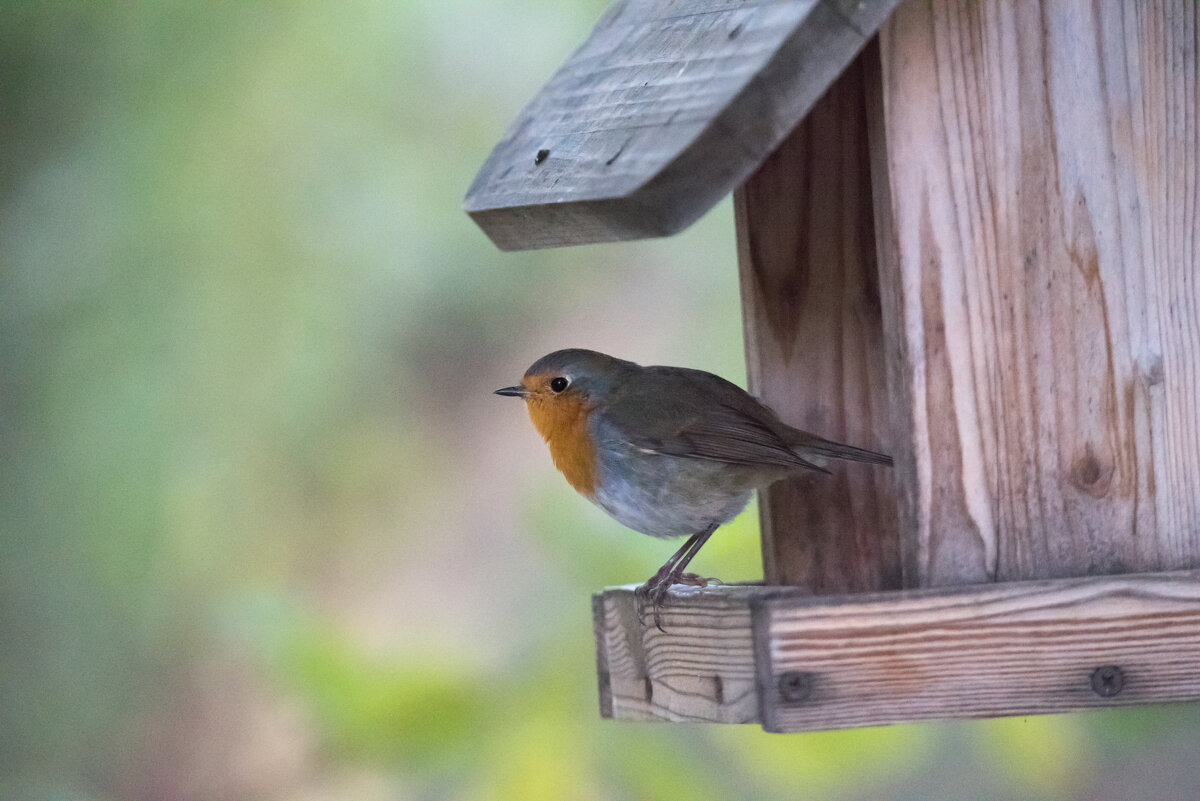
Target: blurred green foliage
(266, 533)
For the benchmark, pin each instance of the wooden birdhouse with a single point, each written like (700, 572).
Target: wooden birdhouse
(969, 234)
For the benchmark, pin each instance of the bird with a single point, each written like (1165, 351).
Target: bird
(666, 451)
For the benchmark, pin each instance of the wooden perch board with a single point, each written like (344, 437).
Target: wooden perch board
(797, 662)
(700, 669)
(1003, 649)
(662, 112)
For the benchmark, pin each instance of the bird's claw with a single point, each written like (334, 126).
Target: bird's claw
(693, 580)
(652, 594)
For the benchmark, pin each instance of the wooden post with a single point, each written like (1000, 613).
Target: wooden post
(1037, 169)
(814, 342)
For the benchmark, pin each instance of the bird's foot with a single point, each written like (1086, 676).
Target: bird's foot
(654, 592)
(651, 594)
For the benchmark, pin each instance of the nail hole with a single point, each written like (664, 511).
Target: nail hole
(1108, 680)
(794, 686)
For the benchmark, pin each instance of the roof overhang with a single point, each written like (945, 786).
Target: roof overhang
(666, 108)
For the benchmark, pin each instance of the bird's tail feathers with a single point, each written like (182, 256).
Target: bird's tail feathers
(836, 450)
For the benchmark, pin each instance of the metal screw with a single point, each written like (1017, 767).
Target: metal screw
(1107, 681)
(795, 686)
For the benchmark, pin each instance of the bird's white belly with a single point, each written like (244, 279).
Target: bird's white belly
(679, 498)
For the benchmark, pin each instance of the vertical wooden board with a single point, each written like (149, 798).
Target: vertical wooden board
(814, 343)
(1037, 172)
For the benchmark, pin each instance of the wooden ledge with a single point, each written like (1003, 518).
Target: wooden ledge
(700, 669)
(795, 662)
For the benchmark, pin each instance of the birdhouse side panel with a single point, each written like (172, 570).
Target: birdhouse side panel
(814, 343)
(1039, 255)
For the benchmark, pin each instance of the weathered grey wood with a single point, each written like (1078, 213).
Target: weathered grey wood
(663, 111)
(814, 342)
(700, 669)
(1038, 174)
(1003, 649)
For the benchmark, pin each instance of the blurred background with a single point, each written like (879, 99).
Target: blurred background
(267, 534)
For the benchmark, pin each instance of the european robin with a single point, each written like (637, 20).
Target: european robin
(667, 451)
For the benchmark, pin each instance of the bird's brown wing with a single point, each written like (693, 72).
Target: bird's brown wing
(701, 416)
(728, 435)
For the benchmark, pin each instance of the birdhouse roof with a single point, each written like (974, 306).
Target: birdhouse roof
(664, 109)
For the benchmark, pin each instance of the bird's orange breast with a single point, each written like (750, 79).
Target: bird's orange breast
(563, 423)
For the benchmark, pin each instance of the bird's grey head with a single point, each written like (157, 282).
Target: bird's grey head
(587, 373)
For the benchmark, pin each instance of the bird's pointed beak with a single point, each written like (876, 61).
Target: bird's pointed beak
(512, 392)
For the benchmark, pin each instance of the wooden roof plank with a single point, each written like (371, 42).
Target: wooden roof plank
(660, 113)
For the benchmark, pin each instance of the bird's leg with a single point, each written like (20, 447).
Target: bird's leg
(665, 570)
(655, 588)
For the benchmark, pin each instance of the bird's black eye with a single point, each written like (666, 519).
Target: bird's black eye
(559, 383)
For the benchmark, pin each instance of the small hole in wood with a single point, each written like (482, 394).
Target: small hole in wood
(541, 156)
(649, 690)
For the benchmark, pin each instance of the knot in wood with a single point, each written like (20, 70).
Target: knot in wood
(1090, 474)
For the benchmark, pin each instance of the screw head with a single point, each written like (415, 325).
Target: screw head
(1108, 680)
(794, 686)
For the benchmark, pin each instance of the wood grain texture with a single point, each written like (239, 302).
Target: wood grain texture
(814, 342)
(660, 113)
(700, 669)
(1012, 649)
(1038, 207)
